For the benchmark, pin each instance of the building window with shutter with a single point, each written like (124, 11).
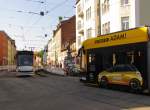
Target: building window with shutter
(125, 23)
(79, 40)
(89, 33)
(105, 6)
(88, 13)
(124, 2)
(106, 28)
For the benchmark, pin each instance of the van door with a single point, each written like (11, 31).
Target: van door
(116, 75)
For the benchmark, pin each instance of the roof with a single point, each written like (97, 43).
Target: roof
(6, 35)
(134, 35)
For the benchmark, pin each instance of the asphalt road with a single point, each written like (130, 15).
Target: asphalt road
(63, 93)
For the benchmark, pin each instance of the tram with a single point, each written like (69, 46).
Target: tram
(25, 62)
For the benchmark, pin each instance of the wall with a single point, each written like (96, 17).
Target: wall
(7, 49)
(9, 52)
(144, 15)
(68, 28)
(14, 51)
(91, 24)
(97, 18)
(56, 48)
(3, 48)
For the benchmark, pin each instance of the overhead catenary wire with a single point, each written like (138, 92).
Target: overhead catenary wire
(38, 1)
(52, 9)
(34, 25)
(57, 6)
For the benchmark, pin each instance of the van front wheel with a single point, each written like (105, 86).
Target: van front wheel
(135, 85)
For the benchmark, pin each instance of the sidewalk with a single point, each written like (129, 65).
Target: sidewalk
(55, 70)
(8, 68)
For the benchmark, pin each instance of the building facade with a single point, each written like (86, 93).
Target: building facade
(63, 36)
(3, 48)
(7, 49)
(51, 52)
(99, 17)
(9, 52)
(118, 15)
(54, 48)
(45, 55)
(87, 20)
(13, 52)
(37, 59)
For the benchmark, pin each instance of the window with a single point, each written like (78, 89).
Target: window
(105, 6)
(79, 40)
(89, 33)
(125, 23)
(106, 28)
(124, 2)
(99, 29)
(79, 8)
(110, 69)
(132, 68)
(119, 69)
(92, 58)
(88, 13)
(79, 25)
(86, 1)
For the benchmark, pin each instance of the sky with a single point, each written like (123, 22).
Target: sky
(20, 19)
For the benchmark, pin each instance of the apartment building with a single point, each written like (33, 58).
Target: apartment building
(63, 36)
(7, 49)
(117, 15)
(11, 52)
(51, 52)
(45, 55)
(3, 48)
(87, 20)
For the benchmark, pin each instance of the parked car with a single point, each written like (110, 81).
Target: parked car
(122, 75)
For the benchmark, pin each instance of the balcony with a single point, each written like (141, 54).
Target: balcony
(81, 31)
(80, 11)
(81, 14)
(80, 27)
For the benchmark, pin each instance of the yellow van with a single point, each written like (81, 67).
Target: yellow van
(122, 75)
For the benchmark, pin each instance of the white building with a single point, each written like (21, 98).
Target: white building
(45, 55)
(117, 15)
(51, 52)
(87, 20)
